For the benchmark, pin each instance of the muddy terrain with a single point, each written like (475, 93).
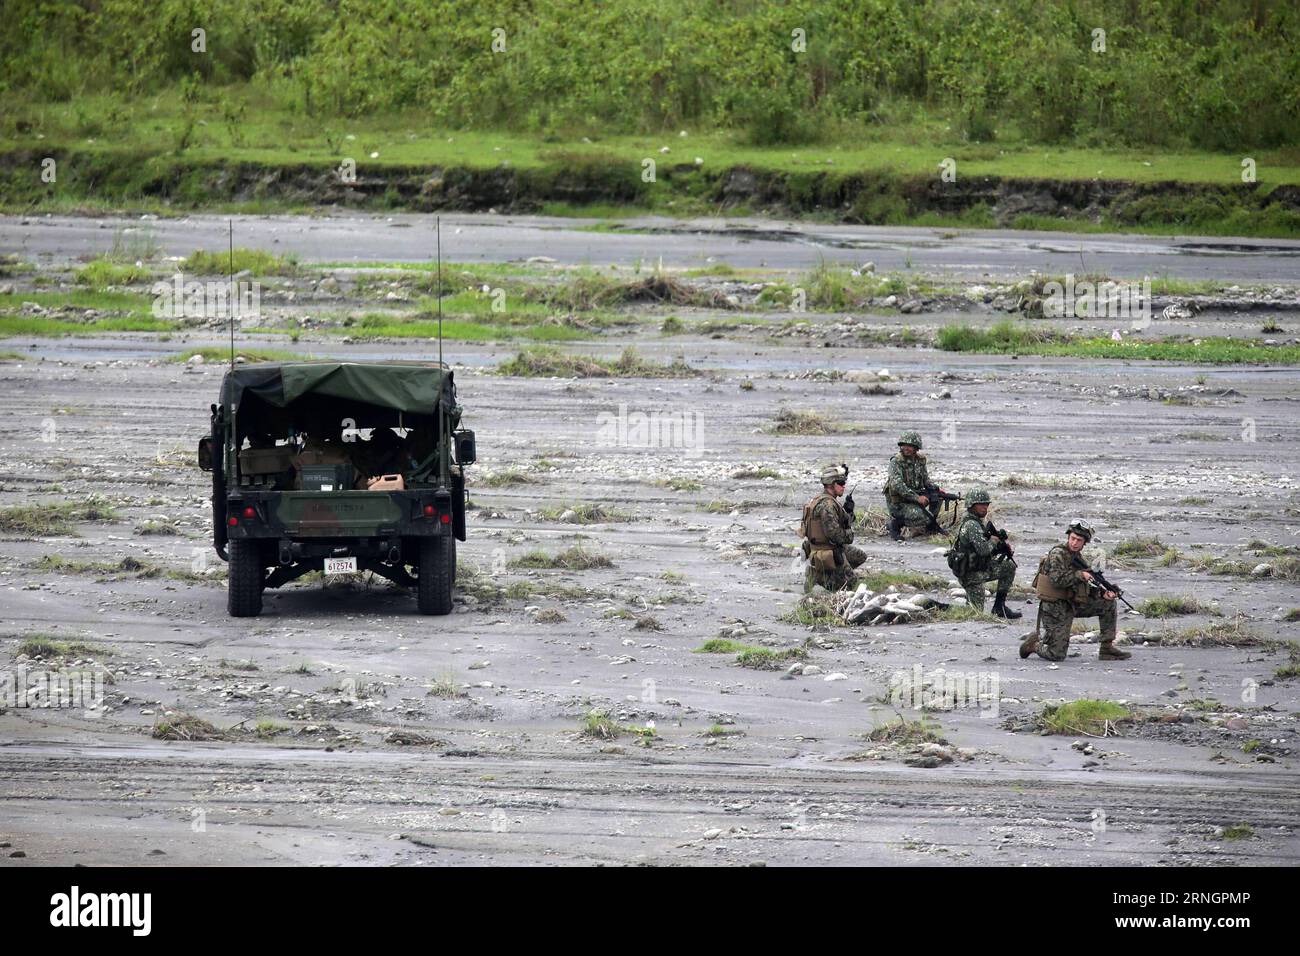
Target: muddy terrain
(647, 708)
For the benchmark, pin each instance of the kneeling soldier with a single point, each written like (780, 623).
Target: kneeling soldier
(981, 553)
(827, 532)
(1062, 584)
(908, 490)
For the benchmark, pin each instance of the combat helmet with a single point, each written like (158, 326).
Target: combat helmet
(833, 473)
(977, 497)
(912, 438)
(1079, 527)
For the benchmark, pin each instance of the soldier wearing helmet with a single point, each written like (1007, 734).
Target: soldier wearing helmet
(909, 493)
(1062, 583)
(980, 554)
(827, 532)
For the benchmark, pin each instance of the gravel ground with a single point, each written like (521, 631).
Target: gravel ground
(355, 731)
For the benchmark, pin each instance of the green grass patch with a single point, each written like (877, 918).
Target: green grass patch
(446, 687)
(1231, 633)
(812, 610)
(598, 724)
(104, 272)
(48, 327)
(1010, 338)
(1284, 568)
(547, 362)
(220, 355)
(267, 729)
(805, 422)
(716, 270)
(1139, 548)
(386, 327)
(152, 527)
(54, 518)
(766, 659)
(718, 731)
(592, 291)
(254, 261)
(575, 558)
(47, 647)
(584, 512)
(679, 484)
(1170, 558)
(1272, 550)
(754, 473)
(1171, 605)
(904, 732)
(1090, 717)
(723, 645)
(508, 478)
(720, 507)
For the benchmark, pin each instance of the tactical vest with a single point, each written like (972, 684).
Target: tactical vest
(1047, 591)
(810, 526)
(816, 546)
(962, 561)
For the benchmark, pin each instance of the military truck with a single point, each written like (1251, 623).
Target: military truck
(338, 467)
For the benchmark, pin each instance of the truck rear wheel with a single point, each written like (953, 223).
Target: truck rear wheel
(437, 574)
(244, 591)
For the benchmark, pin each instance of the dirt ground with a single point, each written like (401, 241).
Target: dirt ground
(354, 730)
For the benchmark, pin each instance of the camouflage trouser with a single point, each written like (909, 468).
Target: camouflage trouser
(912, 515)
(841, 577)
(1058, 616)
(999, 569)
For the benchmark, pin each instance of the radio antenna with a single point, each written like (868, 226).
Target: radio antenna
(437, 224)
(230, 298)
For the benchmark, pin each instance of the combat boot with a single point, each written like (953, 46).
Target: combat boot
(896, 528)
(1109, 652)
(1000, 608)
(1028, 646)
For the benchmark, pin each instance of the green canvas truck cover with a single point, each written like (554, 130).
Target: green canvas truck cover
(411, 387)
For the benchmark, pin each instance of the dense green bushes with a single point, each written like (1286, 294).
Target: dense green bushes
(1217, 75)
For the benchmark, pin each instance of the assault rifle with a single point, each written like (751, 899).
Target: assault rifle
(849, 504)
(1099, 580)
(938, 500)
(1002, 547)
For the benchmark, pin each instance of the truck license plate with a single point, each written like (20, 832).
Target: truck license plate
(340, 565)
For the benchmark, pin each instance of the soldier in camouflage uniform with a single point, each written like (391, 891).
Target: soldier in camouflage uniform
(978, 556)
(1063, 592)
(827, 532)
(905, 489)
